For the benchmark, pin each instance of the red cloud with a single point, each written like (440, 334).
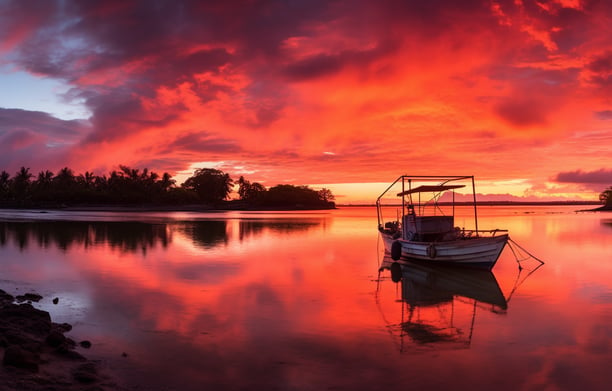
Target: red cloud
(601, 177)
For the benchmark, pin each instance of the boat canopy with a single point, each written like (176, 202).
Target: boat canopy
(429, 189)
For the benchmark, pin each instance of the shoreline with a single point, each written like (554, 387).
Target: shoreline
(37, 356)
(159, 208)
(229, 208)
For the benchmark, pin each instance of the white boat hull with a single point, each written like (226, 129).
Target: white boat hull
(480, 252)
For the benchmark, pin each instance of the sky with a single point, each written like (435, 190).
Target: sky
(345, 94)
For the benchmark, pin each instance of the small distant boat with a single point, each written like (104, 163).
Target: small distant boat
(424, 228)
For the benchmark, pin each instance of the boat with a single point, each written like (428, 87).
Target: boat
(424, 227)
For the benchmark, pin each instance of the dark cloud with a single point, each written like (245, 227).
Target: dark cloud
(601, 73)
(430, 18)
(38, 122)
(536, 93)
(321, 65)
(604, 114)
(201, 142)
(118, 114)
(535, 78)
(314, 67)
(19, 21)
(601, 64)
(37, 140)
(114, 116)
(19, 139)
(577, 27)
(522, 112)
(602, 176)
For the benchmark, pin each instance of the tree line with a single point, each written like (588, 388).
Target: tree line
(130, 186)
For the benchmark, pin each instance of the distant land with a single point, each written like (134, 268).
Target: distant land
(497, 203)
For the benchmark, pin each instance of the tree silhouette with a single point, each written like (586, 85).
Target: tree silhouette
(291, 196)
(249, 191)
(21, 185)
(326, 195)
(42, 186)
(5, 184)
(606, 197)
(211, 185)
(166, 182)
(86, 180)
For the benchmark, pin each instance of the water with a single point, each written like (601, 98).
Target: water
(295, 301)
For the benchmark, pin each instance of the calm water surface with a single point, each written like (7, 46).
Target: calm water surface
(297, 301)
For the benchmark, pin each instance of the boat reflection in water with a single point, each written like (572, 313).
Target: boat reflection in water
(439, 304)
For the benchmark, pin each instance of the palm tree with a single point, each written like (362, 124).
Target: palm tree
(21, 184)
(44, 177)
(86, 180)
(23, 174)
(65, 177)
(5, 185)
(42, 186)
(131, 173)
(166, 182)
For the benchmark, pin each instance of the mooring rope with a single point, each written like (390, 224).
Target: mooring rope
(512, 243)
(519, 280)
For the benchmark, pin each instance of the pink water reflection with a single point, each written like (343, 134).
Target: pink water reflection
(296, 301)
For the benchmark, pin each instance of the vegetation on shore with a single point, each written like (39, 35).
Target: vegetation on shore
(210, 188)
(605, 197)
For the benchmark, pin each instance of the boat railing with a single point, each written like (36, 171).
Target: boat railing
(476, 233)
(421, 185)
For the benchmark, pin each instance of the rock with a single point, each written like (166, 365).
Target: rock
(70, 343)
(13, 336)
(55, 338)
(86, 373)
(56, 300)
(85, 344)
(29, 297)
(37, 356)
(20, 358)
(30, 320)
(32, 346)
(69, 354)
(62, 327)
(5, 298)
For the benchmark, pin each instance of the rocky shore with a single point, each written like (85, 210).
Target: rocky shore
(37, 356)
